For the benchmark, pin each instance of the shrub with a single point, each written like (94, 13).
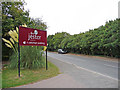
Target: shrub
(31, 57)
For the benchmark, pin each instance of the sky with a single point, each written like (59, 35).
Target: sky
(73, 16)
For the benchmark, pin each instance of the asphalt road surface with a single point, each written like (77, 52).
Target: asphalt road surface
(79, 72)
(91, 72)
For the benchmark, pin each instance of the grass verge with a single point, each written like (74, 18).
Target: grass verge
(10, 77)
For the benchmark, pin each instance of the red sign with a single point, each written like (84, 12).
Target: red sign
(32, 37)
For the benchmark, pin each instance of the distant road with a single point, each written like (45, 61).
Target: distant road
(96, 70)
(104, 67)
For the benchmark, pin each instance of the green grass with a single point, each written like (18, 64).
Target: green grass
(10, 77)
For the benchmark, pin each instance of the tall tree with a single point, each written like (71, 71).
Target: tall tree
(13, 14)
(104, 40)
(37, 23)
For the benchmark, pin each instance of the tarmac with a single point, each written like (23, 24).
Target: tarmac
(60, 81)
(72, 77)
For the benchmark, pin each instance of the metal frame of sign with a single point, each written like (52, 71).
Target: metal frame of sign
(28, 45)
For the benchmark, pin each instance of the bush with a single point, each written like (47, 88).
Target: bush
(31, 57)
(104, 40)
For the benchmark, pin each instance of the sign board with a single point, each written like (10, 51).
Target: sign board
(32, 37)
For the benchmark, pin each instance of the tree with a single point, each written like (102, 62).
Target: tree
(13, 15)
(55, 41)
(37, 23)
(104, 40)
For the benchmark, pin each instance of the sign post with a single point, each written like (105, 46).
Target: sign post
(46, 60)
(31, 37)
(18, 57)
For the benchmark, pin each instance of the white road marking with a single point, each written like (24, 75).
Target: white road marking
(96, 72)
(88, 70)
(111, 66)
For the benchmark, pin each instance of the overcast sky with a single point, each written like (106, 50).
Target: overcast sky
(73, 16)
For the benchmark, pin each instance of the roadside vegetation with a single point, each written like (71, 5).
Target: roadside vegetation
(13, 16)
(103, 41)
(10, 76)
(32, 58)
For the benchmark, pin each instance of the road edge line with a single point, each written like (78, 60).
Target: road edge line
(88, 70)
(95, 72)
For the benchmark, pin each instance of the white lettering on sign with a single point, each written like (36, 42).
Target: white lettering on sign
(33, 36)
(24, 42)
(36, 43)
(41, 43)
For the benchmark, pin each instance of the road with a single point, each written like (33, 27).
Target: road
(95, 72)
(79, 72)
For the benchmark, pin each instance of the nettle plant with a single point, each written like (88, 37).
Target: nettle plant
(31, 57)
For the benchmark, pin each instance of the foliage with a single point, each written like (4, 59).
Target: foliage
(104, 40)
(13, 15)
(10, 77)
(13, 40)
(37, 23)
(31, 57)
(54, 42)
